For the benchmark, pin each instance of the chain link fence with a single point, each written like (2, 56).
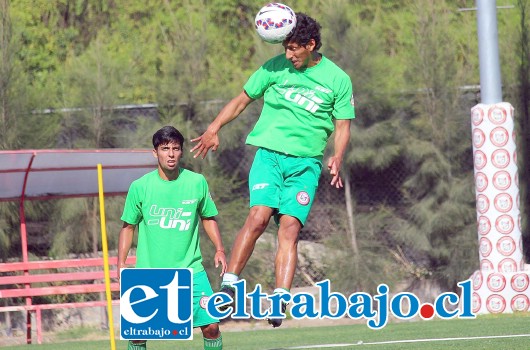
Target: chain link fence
(226, 173)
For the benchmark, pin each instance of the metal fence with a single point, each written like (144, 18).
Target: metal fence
(369, 190)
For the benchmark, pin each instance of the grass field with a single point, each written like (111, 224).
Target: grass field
(495, 332)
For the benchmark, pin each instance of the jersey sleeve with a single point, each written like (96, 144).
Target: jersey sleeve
(132, 210)
(207, 208)
(344, 107)
(260, 80)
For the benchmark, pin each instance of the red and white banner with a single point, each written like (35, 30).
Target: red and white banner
(502, 283)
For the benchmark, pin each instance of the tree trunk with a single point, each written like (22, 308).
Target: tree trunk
(349, 210)
(524, 120)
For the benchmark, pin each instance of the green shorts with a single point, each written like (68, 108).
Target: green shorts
(202, 290)
(283, 182)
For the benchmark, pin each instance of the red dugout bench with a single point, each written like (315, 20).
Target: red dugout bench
(54, 277)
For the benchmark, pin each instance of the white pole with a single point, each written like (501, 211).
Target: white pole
(488, 51)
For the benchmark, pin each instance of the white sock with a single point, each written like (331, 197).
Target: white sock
(281, 291)
(229, 278)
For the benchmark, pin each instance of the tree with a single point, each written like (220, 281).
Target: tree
(409, 165)
(92, 84)
(12, 84)
(523, 120)
(352, 37)
(439, 187)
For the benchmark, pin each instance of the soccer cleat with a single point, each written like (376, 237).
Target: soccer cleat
(277, 322)
(231, 292)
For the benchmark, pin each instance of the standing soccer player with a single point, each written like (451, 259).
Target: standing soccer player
(306, 98)
(160, 246)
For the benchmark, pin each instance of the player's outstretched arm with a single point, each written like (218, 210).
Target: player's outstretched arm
(212, 230)
(342, 137)
(209, 139)
(124, 245)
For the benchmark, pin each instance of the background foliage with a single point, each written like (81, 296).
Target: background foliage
(407, 214)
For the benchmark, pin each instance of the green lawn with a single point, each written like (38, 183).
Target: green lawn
(311, 337)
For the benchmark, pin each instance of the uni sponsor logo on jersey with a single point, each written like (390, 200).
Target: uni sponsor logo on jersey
(302, 96)
(170, 218)
(306, 99)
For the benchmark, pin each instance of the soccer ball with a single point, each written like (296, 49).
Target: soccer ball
(274, 22)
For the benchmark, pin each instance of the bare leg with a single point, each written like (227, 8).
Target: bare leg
(211, 331)
(287, 254)
(212, 337)
(255, 224)
(286, 258)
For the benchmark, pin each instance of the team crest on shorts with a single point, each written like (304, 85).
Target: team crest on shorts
(303, 197)
(203, 302)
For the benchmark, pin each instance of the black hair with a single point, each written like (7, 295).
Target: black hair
(167, 135)
(306, 29)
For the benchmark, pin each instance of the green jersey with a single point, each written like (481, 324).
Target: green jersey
(167, 214)
(299, 105)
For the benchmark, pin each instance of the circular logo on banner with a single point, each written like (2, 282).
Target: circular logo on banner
(515, 156)
(503, 202)
(502, 180)
(519, 222)
(495, 304)
(497, 115)
(514, 137)
(479, 159)
(481, 181)
(484, 225)
(477, 303)
(496, 282)
(507, 265)
(477, 280)
(486, 265)
(477, 115)
(520, 282)
(499, 136)
(504, 224)
(506, 246)
(478, 138)
(516, 180)
(203, 302)
(485, 246)
(303, 197)
(520, 302)
(483, 203)
(500, 158)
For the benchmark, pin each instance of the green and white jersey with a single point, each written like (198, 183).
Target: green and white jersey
(167, 214)
(299, 105)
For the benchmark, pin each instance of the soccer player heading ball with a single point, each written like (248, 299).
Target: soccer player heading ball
(306, 98)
